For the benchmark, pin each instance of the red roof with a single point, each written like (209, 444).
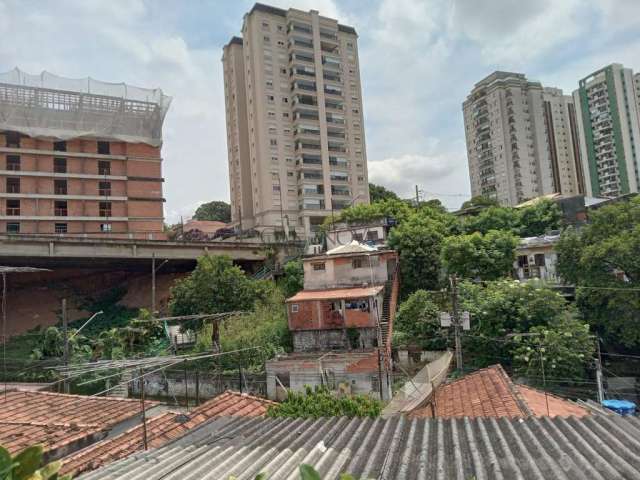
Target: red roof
(56, 420)
(162, 429)
(336, 293)
(491, 393)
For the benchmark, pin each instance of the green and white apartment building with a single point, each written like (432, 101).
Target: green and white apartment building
(609, 122)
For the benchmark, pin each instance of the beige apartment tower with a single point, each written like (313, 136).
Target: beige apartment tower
(295, 132)
(521, 140)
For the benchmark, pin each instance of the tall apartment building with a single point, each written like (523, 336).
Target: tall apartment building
(609, 118)
(80, 157)
(520, 139)
(295, 131)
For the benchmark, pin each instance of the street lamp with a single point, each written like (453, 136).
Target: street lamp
(85, 324)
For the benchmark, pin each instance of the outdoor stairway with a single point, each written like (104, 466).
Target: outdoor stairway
(122, 389)
(385, 316)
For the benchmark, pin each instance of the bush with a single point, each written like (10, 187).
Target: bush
(320, 402)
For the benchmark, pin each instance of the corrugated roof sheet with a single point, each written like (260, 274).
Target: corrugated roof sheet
(355, 292)
(353, 247)
(399, 448)
(55, 420)
(162, 429)
(489, 392)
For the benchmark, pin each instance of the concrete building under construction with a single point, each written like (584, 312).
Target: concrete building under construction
(80, 157)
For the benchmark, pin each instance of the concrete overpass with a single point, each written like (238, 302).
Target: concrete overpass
(50, 251)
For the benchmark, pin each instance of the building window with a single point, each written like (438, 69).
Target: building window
(13, 208)
(104, 148)
(60, 165)
(539, 259)
(295, 308)
(13, 139)
(104, 167)
(60, 187)
(318, 266)
(273, 142)
(60, 208)
(13, 163)
(105, 209)
(60, 228)
(104, 188)
(60, 146)
(372, 235)
(357, 262)
(105, 227)
(13, 227)
(13, 185)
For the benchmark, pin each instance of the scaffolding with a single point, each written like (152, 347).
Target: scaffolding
(50, 106)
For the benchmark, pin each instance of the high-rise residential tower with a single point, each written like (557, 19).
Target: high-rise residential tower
(520, 139)
(295, 132)
(608, 116)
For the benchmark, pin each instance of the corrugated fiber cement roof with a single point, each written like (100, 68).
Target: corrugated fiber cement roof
(398, 448)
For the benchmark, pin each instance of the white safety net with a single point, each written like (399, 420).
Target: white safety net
(46, 105)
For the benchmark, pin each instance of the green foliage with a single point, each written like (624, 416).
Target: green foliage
(418, 241)
(540, 218)
(216, 285)
(320, 402)
(565, 346)
(214, 211)
(417, 322)
(603, 260)
(28, 465)
(363, 213)
(494, 218)
(293, 280)
(378, 193)
(477, 256)
(307, 472)
(480, 201)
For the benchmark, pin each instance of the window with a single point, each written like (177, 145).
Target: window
(13, 227)
(104, 167)
(318, 266)
(357, 262)
(105, 227)
(60, 208)
(60, 187)
(13, 185)
(60, 165)
(270, 98)
(60, 146)
(13, 140)
(60, 228)
(13, 162)
(357, 237)
(104, 148)
(105, 209)
(294, 308)
(104, 188)
(372, 235)
(273, 142)
(13, 208)
(523, 260)
(539, 259)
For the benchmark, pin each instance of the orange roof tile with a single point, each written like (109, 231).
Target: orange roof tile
(162, 429)
(55, 420)
(355, 292)
(490, 392)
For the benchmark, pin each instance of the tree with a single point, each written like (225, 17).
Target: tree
(320, 402)
(493, 218)
(216, 211)
(216, 285)
(477, 256)
(293, 280)
(564, 348)
(480, 201)
(378, 193)
(417, 322)
(418, 241)
(540, 218)
(364, 213)
(603, 261)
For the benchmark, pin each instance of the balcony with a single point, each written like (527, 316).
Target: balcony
(336, 134)
(310, 175)
(312, 204)
(331, 62)
(307, 130)
(309, 159)
(303, 71)
(329, 47)
(301, 42)
(306, 115)
(335, 119)
(331, 90)
(304, 85)
(329, 35)
(340, 191)
(307, 100)
(339, 162)
(300, 28)
(331, 76)
(334, 105)
(339, 177)
(337, 147)
(311, 190)
(302, 145)
(302, 57)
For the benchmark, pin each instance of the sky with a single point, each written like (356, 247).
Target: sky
(418, 58)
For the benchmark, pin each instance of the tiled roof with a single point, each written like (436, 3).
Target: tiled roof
(355, 292)
(595, 447)
(161, 429)
(489, 392)
(56, 420)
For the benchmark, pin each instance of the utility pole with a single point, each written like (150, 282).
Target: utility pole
(417, 198)
(599, 372)
(153, 284)
(65, 333)
(144, 412)
(456, 320)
